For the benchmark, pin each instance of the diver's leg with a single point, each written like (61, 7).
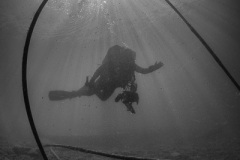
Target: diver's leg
(62, 95)
(103, 87)
(105, 92)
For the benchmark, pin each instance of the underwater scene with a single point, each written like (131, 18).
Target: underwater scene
(120, 79)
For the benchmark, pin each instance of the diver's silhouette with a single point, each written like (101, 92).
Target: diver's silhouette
(116, 71)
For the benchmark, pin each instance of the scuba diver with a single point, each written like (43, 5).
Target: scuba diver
(117, 71)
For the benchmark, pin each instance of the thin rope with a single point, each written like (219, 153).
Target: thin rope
(206, 45)
(24, 79)
(116, 156)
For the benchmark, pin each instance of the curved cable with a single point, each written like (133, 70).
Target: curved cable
(24, 79)
(115, 156)
(205, 45)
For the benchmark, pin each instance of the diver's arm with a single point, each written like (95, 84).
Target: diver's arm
(150, 69)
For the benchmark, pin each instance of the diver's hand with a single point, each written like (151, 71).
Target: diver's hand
(156, 66)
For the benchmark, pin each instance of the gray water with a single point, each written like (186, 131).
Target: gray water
(188, 102)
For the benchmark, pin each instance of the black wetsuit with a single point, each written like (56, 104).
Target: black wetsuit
(117, 71)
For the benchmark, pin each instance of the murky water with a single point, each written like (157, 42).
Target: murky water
(188, 109)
